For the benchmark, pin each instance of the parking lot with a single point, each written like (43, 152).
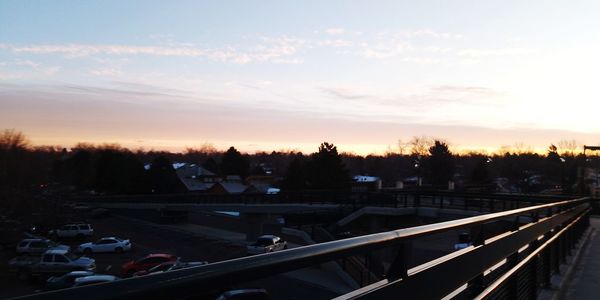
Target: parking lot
(153, 238)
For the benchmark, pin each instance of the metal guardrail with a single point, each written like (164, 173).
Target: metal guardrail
(471, 267)
(352, 200)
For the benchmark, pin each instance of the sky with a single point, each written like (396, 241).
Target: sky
(288, 75)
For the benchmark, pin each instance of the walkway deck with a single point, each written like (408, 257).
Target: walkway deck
(585, 283)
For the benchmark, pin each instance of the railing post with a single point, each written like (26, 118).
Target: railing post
(513, 284)
(535, 264)
(399, 267)
(546, 257)
(556, 255)
(476, 285)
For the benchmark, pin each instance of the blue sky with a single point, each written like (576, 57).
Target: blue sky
(266, 75)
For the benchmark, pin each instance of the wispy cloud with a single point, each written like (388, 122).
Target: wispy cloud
(275, 50)
(428, 33)
(344, 93)
(481, 53)
(17, 65)
(419, 99)
(335, 31)
(106, 72)
(78, 50)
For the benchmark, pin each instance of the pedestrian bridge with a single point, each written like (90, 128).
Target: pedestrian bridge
(517, 263)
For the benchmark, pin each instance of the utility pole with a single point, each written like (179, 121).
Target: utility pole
(593, 148)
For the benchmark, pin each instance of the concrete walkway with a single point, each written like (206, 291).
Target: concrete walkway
(585, 283)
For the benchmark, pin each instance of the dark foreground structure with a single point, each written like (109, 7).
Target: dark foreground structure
(515, 262)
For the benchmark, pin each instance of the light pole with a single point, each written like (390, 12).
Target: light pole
(418, 167)
(562, 174)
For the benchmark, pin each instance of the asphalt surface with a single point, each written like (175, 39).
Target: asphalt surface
(586, 278)
(155, 239)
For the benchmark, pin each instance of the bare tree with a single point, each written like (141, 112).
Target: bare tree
(521, 148)
(13, 140)
(568, 147)
(419, 146)
(205, 149)
(402, 147)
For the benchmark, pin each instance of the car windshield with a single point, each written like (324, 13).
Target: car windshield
(264, 242)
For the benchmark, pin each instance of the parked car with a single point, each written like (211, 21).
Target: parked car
(54, 261)
(266, 244)
(73, 230)
(94, 279)
(145, 263)
(66, 280)
(38, 246)
(170, 266)
(105, 244)
(245, 294)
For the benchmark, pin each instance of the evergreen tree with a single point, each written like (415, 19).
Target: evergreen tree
(296, 178)
(163, 178)
(439, 165)
(327, 170)
(234, 163)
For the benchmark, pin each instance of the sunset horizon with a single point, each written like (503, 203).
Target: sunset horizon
(484, 78)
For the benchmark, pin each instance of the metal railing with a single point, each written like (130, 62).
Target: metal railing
(493, 265)
(352, 200)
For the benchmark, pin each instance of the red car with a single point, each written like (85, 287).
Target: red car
(145, 263)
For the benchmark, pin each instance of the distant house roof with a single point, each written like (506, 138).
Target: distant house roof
(190, 175)
(178, 165)
(361, 178)
(195, 185)
(266, 179)
(229, 187)
(232, 178)
(193, 171)
(261, 188)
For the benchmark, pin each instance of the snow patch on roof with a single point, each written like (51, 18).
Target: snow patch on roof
(178, 165)
(361, 178)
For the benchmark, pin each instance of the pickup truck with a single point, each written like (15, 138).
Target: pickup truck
(266, 244)
(54, 261)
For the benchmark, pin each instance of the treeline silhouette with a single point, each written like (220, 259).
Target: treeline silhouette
(26, 171)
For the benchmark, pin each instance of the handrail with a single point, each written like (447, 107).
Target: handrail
(502, 280)
(287, 197)
(249, 268)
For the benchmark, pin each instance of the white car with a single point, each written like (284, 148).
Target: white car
(266, 244)
(105, 244)
(73, 230)
(38, 246)
(94, 279)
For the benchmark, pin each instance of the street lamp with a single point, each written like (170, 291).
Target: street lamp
(562, 173)
(418, 167)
